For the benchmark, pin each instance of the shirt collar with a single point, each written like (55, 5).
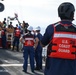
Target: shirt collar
(66, 22)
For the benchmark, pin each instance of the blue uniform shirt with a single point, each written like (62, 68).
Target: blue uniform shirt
(39, 36)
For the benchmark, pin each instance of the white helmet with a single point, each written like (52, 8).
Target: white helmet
(30, 28)
(38, 28)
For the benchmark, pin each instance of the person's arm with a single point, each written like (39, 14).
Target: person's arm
(22, 40)
(47, 37)
(36, 42)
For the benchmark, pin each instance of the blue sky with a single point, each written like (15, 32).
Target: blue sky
(35, 12)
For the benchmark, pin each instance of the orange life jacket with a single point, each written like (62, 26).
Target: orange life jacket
(2, 32)
(17, 33)
(29, 40)
(64, 42)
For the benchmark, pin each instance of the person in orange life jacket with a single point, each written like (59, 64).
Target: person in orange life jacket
(17, 35)
(38, 49)
(61, 36)
(3, 35)
(28, 42)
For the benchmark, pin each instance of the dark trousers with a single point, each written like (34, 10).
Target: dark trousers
(38, 58)
(4, 41)
(16, 43)
(28, 51)
(57, 66)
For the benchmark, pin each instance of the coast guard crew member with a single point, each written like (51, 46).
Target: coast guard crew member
(61, 37)
(38, 49)
(17, 35)
(3, 35)
(28, 42)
